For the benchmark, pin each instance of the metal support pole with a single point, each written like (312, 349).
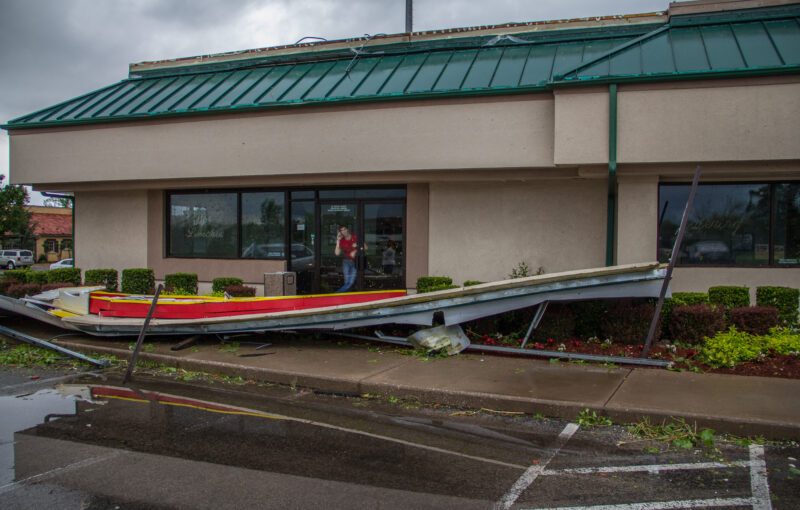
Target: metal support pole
(537, 318)
(672, 260)
(43, 343)
(409, 16)
(142, 333)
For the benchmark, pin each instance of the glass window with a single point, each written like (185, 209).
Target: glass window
(730, 224)
(350, 194)
(203, 225)
(50, 245)
(787, 224)
(263, 225)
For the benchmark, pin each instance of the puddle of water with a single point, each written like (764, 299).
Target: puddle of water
(22, 412)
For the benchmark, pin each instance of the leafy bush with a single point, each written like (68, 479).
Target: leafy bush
(558, 323)
(729, 297)
(6, 283)
(681, 299)
(23, 289)
(182, 283)
(65, 275)
(588, 316)
(628, 321)
(107, 277)
(42, 258)
(432, 283)
(138, 281)
(756, 320)
(240, 291)
(785, 299)
(223, 282)
(728, 348)
(522, 270)
(37, 277)
(16, 274)
(469, 283)
(694, 322)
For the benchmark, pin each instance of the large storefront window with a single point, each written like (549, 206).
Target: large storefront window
(203, 225)
(732, 224)
(262, 225)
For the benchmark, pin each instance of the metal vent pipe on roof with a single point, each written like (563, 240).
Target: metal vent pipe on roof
(409, 16)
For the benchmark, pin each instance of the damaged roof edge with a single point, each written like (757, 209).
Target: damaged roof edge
(430, 36)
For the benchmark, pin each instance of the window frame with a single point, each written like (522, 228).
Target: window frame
(773, 204)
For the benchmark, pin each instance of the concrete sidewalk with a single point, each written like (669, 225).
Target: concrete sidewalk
(740, 405)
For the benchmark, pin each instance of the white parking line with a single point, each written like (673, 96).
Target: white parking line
(661, 505)
(650, 468)
(534, 471)
(758, 479)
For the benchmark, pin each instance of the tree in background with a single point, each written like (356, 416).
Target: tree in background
(64, 201)
(14, 218)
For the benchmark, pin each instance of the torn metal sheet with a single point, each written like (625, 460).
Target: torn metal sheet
(451, 339)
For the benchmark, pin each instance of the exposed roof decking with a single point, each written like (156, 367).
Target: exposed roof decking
(753, 42)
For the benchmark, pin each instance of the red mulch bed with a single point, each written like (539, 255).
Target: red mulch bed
(776, 365)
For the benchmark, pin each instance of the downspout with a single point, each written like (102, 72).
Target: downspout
(611, 213)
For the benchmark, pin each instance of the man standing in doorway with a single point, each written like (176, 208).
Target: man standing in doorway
(347, 246)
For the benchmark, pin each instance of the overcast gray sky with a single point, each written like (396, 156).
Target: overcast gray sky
(54, 50)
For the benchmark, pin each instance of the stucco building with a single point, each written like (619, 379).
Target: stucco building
(562, 144)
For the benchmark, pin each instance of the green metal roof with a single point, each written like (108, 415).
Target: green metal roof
(756, 41)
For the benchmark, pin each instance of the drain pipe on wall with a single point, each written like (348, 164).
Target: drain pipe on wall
(611, 213)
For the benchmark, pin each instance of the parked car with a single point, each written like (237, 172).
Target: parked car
(16, 258)
(62, 264)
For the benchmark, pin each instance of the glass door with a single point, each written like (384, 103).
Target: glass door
(384, 267)
(302, 259)
(340, 224)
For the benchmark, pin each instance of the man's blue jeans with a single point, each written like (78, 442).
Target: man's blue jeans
(349, 270)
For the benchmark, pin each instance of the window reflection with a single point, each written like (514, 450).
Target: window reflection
(262, 225)
(203, 225)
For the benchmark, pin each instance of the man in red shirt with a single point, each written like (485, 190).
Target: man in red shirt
(347, 246)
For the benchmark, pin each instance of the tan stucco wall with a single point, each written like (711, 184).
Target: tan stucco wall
(481, 231)
(637, 216)
(465, 134)
(111, 230)
(727, 123)
(581, 126)
(698, 279)
(417, 232)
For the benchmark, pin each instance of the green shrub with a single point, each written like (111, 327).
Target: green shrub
(42, 258)
(182, 283)
(785, 299)
(469, 283)
(681, 299)
(16, 274)
(65, 275)
(692, 323)
(221, 283)
(432, 283)
(240, 291)
(107, 277)
(729, 297)
(138, 281)
(725, 349)
(756, 320)
(588, 316)
(39, 277)
(53, 286)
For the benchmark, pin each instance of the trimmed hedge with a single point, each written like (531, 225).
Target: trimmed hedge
(785, 299)
(107, 277)
(588, 316)
(756, 320)
(557, 323)
(65, 275)
(23, 289)
(53, 286)
(37, 277)
(729, 297)
(6, 283)
(16, 274)
(240, 291)
(469, 283)
(183, 283)
(692, 323)
(434, 283)
(223, 282)
(138, 281)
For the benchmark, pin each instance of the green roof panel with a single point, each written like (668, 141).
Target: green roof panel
(748, 42)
